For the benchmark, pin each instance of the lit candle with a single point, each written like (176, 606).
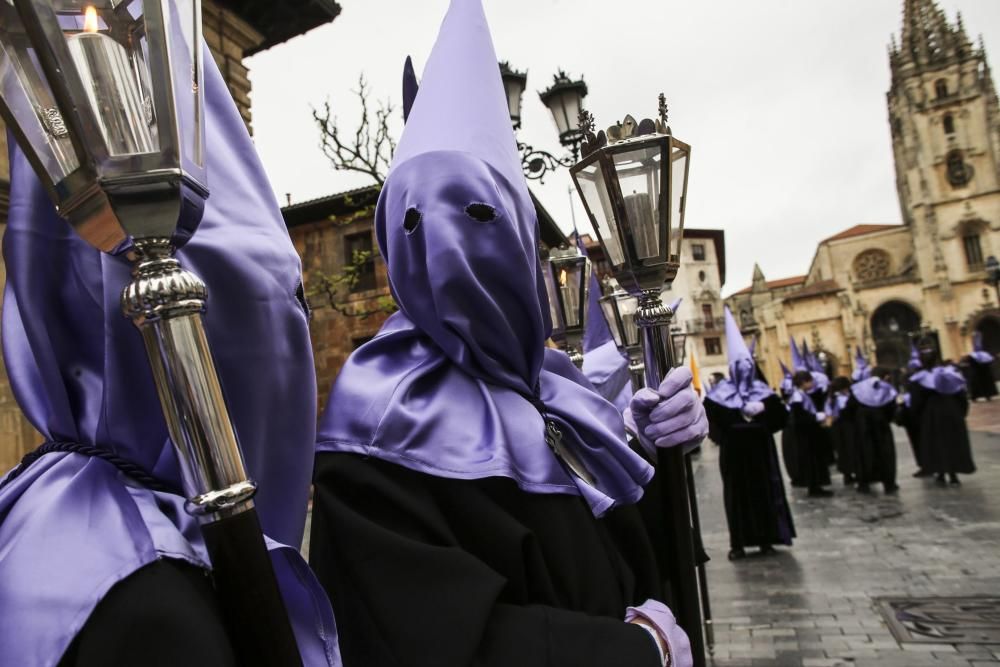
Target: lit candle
(110, 83)
(571, 300)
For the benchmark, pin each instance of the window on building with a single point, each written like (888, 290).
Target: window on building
(973, 252)
(701, 276)
(713, 347)
(706, 315)
(959, 171)
(949, 124)
(358, 254)
(941, 88)
(872, 265)
(698, 251)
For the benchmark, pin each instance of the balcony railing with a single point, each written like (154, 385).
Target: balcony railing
(705, 324)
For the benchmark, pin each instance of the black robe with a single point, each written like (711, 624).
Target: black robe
(424, 570)
(874, 444)
(810, 441)
(790, 454)
(981, 382)
(753, 490)
(824, 445)
(163, 615)
(910, 421)
(944, 436)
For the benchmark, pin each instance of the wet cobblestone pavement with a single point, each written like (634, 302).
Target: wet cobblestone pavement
(813, 605)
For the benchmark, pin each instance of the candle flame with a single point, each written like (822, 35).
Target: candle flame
(562, 278)
(90, 19)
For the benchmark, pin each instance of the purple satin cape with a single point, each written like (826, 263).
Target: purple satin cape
(873, 392)
(745, 389)
(799, 396)
(942, 379)
(835, 404)
(447, 387)
(71, 527)
(607, 370)
(981, 357)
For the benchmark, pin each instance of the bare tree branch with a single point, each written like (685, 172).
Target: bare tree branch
(368, 151)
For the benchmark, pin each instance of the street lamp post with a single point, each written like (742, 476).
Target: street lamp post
(633, 182)
(993, 274)
(106, 99)
(564, 99)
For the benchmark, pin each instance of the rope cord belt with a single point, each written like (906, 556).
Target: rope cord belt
(126, 467)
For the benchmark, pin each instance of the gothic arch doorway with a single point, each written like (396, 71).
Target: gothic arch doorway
(989, 328)
(891, 324)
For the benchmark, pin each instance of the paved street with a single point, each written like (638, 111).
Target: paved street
(812, 605)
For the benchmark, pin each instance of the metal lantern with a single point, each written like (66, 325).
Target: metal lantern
(632, 179)
(564, 98)
(106, 99)
(107, 102)
(570, 279)
(619, 308)
(679, 339)
(558, 334)
(514, 83)
(633, 183)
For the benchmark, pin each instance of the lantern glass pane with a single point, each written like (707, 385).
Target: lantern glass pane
(678, 199)
(185, 44)
(514, 86)
(639, 177)
(628, 305)
(570, 279)
(550, 291)
(107, 44)
(594, 189)
(608, 310)
(29, 101)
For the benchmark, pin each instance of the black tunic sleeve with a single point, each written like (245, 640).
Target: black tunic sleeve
(164, 615)
(408, 589)
(775, 415)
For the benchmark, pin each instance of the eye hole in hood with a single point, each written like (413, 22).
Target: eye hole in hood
(481, 212)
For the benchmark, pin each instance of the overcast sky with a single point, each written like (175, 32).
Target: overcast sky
(783, 101)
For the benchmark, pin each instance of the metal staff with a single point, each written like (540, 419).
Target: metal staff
(653, 319)
(706, 603)
(166, 303)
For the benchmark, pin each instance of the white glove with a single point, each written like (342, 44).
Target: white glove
(821, 416)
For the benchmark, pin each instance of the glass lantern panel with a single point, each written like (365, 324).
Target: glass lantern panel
(106, 44)
(514, 87)
(608, 310)
(678, 199)
(29, 100)
(183, 27)
(639, 178)
(628, 305)
(550, 290)
(570, 280)
(565, 109)
(594, 189)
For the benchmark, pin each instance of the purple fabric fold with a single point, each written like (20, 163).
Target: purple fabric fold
(942, 379)
(71, 527)
(742, 385)
(836, 403)
(874, 392)
(607, 370)
(981, 357)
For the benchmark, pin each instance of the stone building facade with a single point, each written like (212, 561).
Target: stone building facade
(872, 286)
(233, 30)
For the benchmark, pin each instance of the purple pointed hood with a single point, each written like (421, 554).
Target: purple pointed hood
(862, 370)
(455, 383)
(798, 361)
(812, 361)
(873, 392)
(786, 385)
(978, 354)
(596, 333)
(946, 380)
(742, 386)
(72, 526)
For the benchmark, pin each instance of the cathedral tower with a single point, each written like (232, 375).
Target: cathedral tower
(945, 124)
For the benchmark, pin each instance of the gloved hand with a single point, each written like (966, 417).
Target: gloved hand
(752, 408)
(656, 614)
(821, 416)
(670, 416)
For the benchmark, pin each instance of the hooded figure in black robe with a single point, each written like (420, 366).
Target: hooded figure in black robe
(842, 429)
(871, 410)
(982, 384)
(476, 501)
(939, 402)
(810, 438)
(744, 413)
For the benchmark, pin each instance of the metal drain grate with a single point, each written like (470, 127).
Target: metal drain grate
(973, 620)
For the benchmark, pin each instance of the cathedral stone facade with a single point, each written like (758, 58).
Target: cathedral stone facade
(872, 286)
